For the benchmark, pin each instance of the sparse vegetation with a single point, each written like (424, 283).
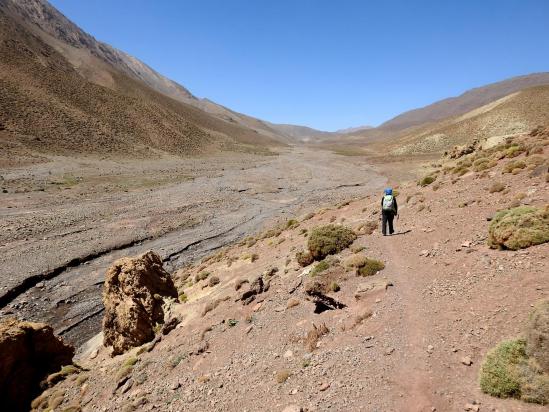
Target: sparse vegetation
(427, 180)
(314, 335)
(239, 283)
(214, 280)
(254, 257)
(320, 267)
(519, 228)
(514, 166)
(368, 227)
(370, 267)
(201, 276)
(334, 287)
(496, 187)
(183, 297)
(282, 375)
(329, 240)
(304, 258)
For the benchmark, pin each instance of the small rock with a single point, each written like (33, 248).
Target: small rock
(471, 407)
(430, 349)
(466, 360)
(175, 385)
(257, 307)
(288, 354)
(279, 309)
(389, 351)
(324, 386)
(292, 408)
(249, 329)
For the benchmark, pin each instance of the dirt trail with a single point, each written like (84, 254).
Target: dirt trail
(415, 325)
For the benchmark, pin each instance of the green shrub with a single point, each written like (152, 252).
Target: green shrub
(329, 240)
(183, 297)
(499, 374)
(507, 372)
(214, 280)
(519, 228)
(537, 334)
(370, 267)
(514, 151)
(320, 267)
(334, 287)
(427, 180)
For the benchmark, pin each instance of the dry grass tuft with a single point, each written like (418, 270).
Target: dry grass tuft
(314, 335)
(496, 187)
(283, 375)
(304, 258)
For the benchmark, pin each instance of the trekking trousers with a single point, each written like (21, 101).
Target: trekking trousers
(387, 218)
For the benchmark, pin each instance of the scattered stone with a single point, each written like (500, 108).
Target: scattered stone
(389, 351)
(466, 360)
(292, 408)
(288, 354)
(430, 349)
(324, 386)
(471, 407)
(292, 302)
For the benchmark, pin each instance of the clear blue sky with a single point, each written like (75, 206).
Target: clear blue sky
(325, 64)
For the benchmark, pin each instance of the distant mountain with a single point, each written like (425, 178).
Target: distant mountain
(472, 99)
(353, 129)
(301, 134)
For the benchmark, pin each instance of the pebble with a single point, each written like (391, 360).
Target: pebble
(466, 360)
(324, 386)
(430, 349)
(389, 351)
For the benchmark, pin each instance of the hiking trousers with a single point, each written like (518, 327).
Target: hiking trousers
(387, 218)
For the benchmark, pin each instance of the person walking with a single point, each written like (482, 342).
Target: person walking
(389, 209)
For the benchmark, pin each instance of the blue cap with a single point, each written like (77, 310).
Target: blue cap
(388, 191)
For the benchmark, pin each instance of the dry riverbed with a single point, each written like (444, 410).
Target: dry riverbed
(63, 222)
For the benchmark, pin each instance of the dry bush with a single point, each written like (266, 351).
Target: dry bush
(370, 267)
(519, 228)
(355, 261)
(334, 287)
(201, 276)
(304, 258)
(254, 257)
(496, 187)
(329, 240)
(427, 180)
(514, 166)
(320, 267)
(283, 375)
(314, 335)
(214, 280)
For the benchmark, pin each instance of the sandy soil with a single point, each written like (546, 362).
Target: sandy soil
(62, 223)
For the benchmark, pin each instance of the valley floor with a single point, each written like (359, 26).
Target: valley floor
(410, 338)
(67, 220)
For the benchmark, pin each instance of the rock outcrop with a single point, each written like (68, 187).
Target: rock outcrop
(133, 296)
(29, 352)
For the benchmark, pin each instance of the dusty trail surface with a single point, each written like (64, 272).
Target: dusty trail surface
(62, 223)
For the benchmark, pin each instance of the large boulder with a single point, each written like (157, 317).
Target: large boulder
(133, 296)
(29, 352)
(537, 334)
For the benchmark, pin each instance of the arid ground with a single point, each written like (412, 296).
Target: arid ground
(64, 222)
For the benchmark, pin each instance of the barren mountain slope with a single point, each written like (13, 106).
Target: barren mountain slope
(48, 107)
(95, 60)
(513, 114)
(464, 103)
(409, 337)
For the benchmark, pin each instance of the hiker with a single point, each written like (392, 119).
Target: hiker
(389, 209)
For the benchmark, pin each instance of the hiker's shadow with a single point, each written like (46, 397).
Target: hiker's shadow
(402, 233)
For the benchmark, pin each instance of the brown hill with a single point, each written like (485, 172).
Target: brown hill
(511, 115)
(464, 103)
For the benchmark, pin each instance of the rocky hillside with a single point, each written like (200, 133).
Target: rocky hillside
(48, 107)
(470, 100)
(322, 313)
